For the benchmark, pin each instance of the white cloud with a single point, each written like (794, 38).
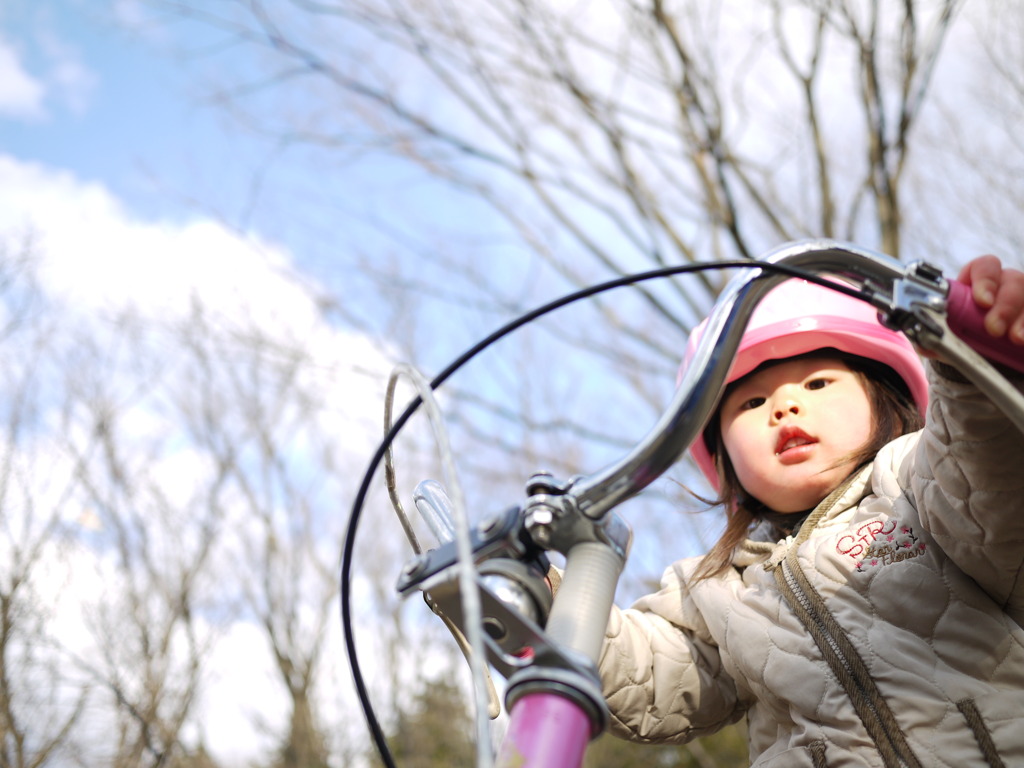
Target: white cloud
(97, 260)
(21, 94)
(98, 257)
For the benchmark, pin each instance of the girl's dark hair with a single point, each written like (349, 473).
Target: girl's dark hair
(894, 412)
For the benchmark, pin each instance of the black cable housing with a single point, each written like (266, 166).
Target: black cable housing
(348, 548)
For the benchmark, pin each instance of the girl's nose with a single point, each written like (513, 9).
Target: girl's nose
(784, 408)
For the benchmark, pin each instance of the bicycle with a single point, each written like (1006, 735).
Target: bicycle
(489, 584)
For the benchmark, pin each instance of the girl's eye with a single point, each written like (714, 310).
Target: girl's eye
(818, 383)
(753, 402)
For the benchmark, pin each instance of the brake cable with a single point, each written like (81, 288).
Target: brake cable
(383, 448)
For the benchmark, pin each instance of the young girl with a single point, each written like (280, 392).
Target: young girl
(864, 605)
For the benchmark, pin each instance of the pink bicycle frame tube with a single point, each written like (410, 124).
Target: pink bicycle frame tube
(545, 731)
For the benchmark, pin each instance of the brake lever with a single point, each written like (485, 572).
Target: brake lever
(941, 317)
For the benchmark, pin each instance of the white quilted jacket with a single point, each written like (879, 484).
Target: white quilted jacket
(911, 581)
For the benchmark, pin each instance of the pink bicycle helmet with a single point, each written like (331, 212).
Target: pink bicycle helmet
(798, 317)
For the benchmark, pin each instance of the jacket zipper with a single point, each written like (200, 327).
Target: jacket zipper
(839, 652)
(812, 612)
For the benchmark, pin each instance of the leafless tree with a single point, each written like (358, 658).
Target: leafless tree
(40, 704)
(611, 136)
(161, 479)
(287, 539)
(273, 414)
(560, 144)
(158, 530)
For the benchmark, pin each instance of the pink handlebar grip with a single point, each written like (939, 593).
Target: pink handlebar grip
(545, 731)
(967, 320)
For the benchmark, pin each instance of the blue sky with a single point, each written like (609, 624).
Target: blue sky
(112, 98)
(117, 95)
(85, 90)
(108, 156)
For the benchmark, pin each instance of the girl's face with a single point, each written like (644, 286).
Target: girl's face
(785, 427)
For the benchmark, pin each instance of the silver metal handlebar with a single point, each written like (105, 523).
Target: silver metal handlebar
(574, 518)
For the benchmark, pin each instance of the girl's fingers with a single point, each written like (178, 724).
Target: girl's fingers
(982, 274)
(1010, 305)
(999, 290)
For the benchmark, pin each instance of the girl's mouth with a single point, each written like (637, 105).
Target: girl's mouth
(793, 444)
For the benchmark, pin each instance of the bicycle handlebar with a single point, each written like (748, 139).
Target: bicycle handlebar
(573, 518)
(912, 299)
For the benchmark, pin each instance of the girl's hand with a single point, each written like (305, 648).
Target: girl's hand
(1001, 292)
